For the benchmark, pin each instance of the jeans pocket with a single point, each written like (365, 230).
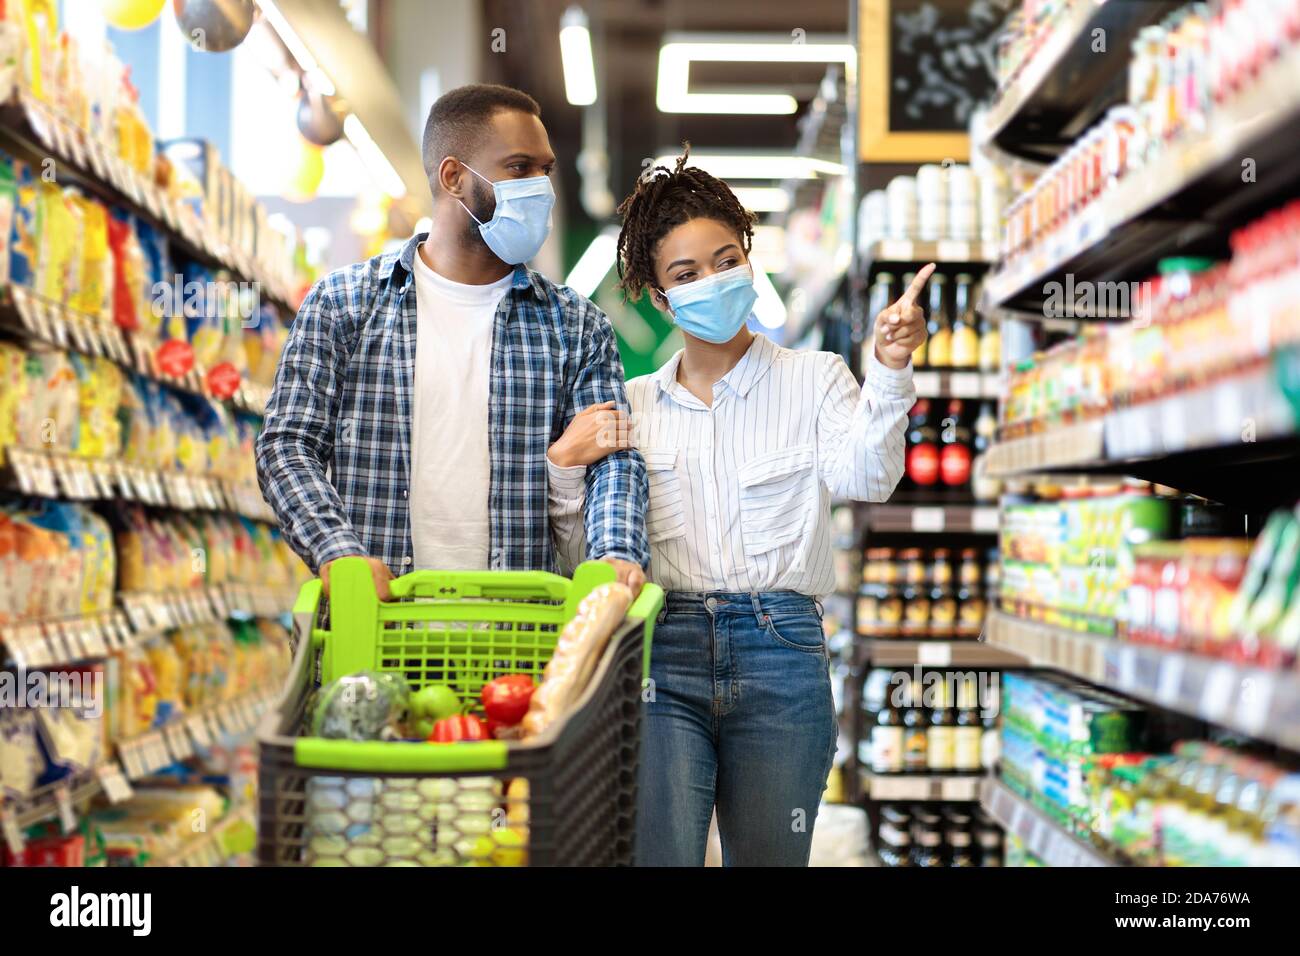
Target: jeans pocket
(800, 632)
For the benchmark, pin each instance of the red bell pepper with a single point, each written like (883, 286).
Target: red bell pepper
(461, 727)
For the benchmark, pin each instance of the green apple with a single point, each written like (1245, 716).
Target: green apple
(434, 703)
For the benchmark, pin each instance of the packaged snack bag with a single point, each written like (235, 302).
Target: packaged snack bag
(159, 276)
(101, 570)
(8, 198)
(13, 392)
(95, 292)
(169, 679)
(9, 599)
(48, 420)
(58, 230)
(20, 756)
(139, 696)
(22, 237)
(99, 393)
(130, 304)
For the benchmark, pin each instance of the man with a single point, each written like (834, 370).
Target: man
(419, 391)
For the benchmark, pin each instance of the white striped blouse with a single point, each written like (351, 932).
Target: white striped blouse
(740, 492)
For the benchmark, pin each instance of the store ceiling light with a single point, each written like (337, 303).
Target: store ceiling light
(731, 166)
(676, 56)
(289, 36)
(762, 198)
(575, 54)
(380, 168)
(594, 264)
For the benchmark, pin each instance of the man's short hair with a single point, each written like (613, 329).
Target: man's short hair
(459, 119)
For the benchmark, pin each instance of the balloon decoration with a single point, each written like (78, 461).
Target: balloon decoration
(132, 14)
(306, 173)
(318, 119)
(214, 25)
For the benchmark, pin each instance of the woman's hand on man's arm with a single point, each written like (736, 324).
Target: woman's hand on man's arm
(596, 431)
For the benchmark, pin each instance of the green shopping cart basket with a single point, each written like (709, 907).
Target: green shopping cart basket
(566, 797)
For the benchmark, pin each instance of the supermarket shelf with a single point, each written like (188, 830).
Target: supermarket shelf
(211, 848)
(935, 519)
(895, 653)
(1188, 193)
(1264, 704)
(1224, 441)
(24, 312)
(53, 475)
(140, 756)
(82, 159)
(35, 644)
(1041, 834)
(917, 252)
(933, 383)
(147, 753)
(49, 802)
(921, 786)
(1067, 83)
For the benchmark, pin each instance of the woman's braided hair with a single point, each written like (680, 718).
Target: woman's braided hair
(662, 201)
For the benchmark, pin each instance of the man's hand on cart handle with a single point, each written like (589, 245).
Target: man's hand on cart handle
(378, 570)
(628, 573)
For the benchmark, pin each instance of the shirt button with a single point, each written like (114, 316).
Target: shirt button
(406, 561)
(405, 493)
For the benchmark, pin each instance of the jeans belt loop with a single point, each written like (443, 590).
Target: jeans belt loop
(759, 614)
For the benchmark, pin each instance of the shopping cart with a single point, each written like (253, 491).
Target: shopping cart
(567, 797)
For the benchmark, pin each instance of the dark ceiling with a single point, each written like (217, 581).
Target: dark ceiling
(626, 36)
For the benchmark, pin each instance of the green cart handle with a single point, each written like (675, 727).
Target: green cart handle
(455, 585)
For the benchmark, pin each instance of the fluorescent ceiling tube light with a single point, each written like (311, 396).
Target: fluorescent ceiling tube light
(675, 57)
(730, 166)
(575, 54)
(594, 264)
(298, 49)
(376, 162)
(762, 198)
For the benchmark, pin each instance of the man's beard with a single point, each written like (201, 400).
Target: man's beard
(482, 203)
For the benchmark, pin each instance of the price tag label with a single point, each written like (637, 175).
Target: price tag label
(198, 727)
(67, 814)
(13, 833)
(965, 384)
(178, 741)
(1254, 701)
(934, 653)
(1216, 692)
(218, 599)
(159, 757)
(984, 520)
(115, 786)
(927, 384)
(55, 324)
(92, 639)
(1170, 682)
(131, 755)
(951, 250)
(896, 250)
(216, 727)
(927, 519)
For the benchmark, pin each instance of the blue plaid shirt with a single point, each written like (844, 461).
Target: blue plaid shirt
(334, 457)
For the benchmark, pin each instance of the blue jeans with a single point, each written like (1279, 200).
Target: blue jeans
(741, 718)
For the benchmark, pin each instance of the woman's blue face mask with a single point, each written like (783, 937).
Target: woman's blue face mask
(714, 308)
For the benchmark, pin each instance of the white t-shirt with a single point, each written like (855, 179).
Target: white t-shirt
(450, 469)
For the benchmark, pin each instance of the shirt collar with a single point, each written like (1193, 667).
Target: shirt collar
(403, 267)
(744, 375)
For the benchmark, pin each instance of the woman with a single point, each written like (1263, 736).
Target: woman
(746, 444)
